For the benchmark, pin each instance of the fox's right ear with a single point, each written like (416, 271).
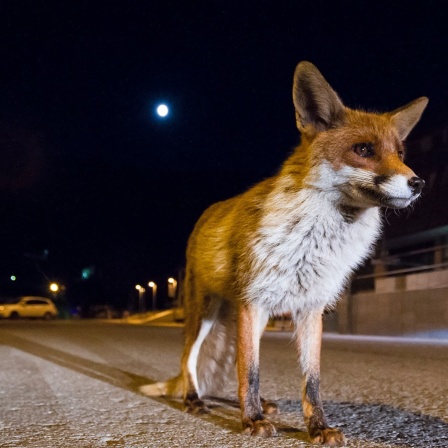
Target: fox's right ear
(316, 103)
(406, 117)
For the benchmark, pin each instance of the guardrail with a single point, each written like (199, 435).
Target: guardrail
(380, 264)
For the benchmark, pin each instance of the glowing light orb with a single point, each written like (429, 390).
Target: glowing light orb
(162, 110)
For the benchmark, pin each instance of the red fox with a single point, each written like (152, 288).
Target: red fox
(289, 244)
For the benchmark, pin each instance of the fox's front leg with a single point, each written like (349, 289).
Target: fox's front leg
(250, 323)
(309, 330)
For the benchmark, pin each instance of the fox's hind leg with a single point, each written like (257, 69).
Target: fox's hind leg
(309, 333)
(192, 400)
(201, 313)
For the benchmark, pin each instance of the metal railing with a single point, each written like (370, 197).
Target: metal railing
(398, 259)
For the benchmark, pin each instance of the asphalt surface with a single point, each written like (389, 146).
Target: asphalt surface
(75, 384)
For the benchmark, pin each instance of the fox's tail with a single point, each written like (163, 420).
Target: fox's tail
(215, 362)
(170, 388)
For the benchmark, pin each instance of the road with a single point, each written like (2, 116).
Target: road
(75, 384)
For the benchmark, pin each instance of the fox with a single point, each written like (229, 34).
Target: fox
(290, 244)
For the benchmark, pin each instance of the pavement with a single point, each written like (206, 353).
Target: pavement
(150, 318)
(75, 384)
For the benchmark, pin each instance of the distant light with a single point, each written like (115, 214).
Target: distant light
(171, 280)
(151, 284)
(13, 278)
(86, 273)
(54, 287)
(162, 110)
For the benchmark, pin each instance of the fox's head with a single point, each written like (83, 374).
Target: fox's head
(357, 154)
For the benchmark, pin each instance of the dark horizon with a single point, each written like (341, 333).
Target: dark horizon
(92, 175)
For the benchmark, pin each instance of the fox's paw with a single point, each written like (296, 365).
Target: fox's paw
(328, 437)
(260, 428)
(195, 406)
(269, 408)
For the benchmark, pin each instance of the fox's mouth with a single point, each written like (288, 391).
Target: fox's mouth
(389, 201)
(397, 202)
(380, 198)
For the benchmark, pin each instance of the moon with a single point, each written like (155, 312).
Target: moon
(162, 110)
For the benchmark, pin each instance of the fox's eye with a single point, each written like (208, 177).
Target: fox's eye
(363, 149)
(401, 155)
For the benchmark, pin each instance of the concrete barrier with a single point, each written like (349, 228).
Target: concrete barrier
(392, 313)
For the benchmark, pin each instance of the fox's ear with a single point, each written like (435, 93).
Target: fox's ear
(406, 117)
(316, 103)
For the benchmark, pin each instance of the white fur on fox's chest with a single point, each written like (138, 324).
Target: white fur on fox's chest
(305, 251)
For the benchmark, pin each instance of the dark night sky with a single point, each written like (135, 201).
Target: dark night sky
(92, 175)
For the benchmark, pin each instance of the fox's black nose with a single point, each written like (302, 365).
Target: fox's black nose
(416, 184)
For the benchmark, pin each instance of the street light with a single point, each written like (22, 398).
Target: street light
(153, 287)
(172, 286)
(141, 294)
(56, 290)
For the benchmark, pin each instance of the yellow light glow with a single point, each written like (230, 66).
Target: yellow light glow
(54, 287)
(151, 284)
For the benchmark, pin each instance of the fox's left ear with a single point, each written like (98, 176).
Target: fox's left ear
(318, 107)
(406, 117)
